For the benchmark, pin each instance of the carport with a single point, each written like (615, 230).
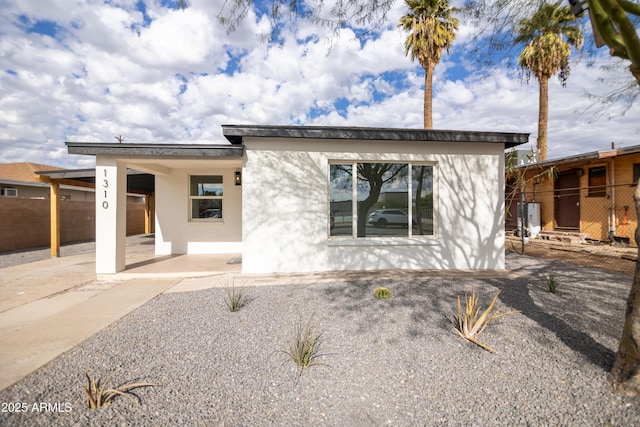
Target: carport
(137, 183)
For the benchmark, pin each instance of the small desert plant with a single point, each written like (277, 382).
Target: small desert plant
(304, 346)
(235, 298)
(470, 323)
(98, 395)
(552, 283)
(382, 293)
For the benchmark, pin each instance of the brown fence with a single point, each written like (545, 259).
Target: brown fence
(25, 222)
(596, 220)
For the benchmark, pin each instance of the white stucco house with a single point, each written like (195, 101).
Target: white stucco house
(307, 199)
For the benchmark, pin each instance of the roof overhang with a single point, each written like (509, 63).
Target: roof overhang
(137, 182)
(236, 133)
(585, 158)
(173, 151)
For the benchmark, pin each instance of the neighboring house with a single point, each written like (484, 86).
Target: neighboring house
(589, 196)
(21, 180)
(272, 195)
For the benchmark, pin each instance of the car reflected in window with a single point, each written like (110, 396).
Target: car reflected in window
(383, 217)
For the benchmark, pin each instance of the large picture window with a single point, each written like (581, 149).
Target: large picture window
(205, 197)
(388, 199)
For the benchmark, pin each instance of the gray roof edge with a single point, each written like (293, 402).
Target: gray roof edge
(591, 155)
(24, 183)
(80, 173)
(235, 133)
(151, 150)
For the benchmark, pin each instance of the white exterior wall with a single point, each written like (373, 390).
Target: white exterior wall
(111, 215)
(175, 234)
(286, 198)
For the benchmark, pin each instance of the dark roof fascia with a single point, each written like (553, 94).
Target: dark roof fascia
(177, 151)
(23, 183)
(79, 173)
(236, 133)
(584, 157)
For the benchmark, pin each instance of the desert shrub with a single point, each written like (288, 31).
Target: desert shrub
(235, 298)
(98, 395)
(304, 346)
(470, 322)
(552, 283)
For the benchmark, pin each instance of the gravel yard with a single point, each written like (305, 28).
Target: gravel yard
(388, 362)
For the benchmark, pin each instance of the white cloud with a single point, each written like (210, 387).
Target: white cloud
(109, 71)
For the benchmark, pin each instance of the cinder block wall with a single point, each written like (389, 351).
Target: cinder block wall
(24, 223)
(77, 222)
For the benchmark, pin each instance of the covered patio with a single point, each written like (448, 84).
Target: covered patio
(142, 262)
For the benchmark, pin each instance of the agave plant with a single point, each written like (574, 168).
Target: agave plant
(98, 395)
(470, 323)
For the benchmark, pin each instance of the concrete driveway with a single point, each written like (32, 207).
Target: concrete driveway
(50, 305)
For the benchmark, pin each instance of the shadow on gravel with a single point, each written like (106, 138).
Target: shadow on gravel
(418, 308)
(588, 311)
(590, 302)
(514, 295)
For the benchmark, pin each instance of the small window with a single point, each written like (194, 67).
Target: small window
(205, 197)
(636, 173)
(597, 181)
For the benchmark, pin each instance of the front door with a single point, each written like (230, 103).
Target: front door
(567, 201)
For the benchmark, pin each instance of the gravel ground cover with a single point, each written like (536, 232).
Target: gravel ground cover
(385, 362)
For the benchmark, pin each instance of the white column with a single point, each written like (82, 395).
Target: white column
(111, 215)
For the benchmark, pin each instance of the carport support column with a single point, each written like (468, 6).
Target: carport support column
(111, 215)
(54, 218)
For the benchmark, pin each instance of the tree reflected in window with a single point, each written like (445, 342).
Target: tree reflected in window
(382, 199)
(387, 201)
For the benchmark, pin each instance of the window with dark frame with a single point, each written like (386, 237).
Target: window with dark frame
(381, 199)
(597, 182)
(205, 197)
(636, 173)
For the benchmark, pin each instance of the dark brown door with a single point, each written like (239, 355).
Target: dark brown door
(567, 201)
(512, 198)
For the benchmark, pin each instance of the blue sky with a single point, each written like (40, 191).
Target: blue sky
(89, 70)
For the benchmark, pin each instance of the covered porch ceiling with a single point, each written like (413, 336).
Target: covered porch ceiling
(146, 160)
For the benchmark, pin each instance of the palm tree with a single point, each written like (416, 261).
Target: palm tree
(431, 29)
(548, 35)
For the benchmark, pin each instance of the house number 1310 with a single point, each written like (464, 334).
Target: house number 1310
(105, 185)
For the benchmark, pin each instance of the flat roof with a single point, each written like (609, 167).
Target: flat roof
(236, 133)
(178, 151)
(136, 181)
(586, 157)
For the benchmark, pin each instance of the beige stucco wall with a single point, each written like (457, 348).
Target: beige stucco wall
(40, 191)
(598, 215)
